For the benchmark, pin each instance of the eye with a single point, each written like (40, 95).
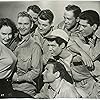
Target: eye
(35, 18)
(10, 34)
(3, 33)
(26, 23)
(44, 25)
(19, 23)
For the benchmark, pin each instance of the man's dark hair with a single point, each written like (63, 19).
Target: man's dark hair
(46, 15)
(58, 40)
(91, 16)
(24, 14)
(10, 23)
(34, 8)
(76, 10)
(60, 67)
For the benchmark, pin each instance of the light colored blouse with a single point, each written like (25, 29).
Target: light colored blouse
(7, 62)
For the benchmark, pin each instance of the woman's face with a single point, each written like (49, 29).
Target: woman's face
(5, 34)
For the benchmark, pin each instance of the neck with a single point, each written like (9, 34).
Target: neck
(56, 83)
(23, 37)
(74, 26)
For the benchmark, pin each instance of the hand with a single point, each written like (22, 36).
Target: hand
(87, 60)
(15, 77)
(27, 79)
(31, 80)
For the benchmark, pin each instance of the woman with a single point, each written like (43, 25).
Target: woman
(7, 58)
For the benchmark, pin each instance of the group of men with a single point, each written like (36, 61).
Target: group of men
(66, 55)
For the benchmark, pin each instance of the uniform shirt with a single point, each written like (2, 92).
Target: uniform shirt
(64, 90)
(7, 62)
(92, 48)
(44, 44)
(81, 74)
(29, 64)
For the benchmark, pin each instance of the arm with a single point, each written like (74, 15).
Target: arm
(76, 45)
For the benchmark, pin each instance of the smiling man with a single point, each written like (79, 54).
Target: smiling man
(70, 23)
(45, 22)
(28, 54)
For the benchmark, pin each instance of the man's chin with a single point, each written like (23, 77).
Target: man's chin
(44, 81)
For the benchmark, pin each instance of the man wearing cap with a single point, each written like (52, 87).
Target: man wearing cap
(58, 45)
(57, 42)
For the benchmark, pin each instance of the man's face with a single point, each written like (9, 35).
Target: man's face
(69, 19)
(24, 25)
(54, 48)
(33, 15)
(85, 28)
(43, 26)
(48, 75)
(5, 34)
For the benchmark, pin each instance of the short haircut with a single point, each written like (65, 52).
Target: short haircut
(10, 23)
(24, 14)
(76, 10)
(60, 67)
(46, 15)
(58, 40)
(34, 8)
(91, 16)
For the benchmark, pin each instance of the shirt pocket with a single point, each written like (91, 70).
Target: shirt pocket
(25, 61)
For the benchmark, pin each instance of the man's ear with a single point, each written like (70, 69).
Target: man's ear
(77, 19)
(94, 27)
(57, 74)
(62, 45)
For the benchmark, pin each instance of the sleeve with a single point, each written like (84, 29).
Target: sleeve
(75, 45)
(35, 66)
(5, 63)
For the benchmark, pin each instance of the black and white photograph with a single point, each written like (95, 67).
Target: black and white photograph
(50, 49)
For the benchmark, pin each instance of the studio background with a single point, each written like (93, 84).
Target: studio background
(10, 9)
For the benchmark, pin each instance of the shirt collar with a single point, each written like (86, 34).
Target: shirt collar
(25, 39)
(58, 89)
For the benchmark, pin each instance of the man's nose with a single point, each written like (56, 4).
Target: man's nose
(7, 36)
(22, 26)
(50, 48)
(66, 21)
